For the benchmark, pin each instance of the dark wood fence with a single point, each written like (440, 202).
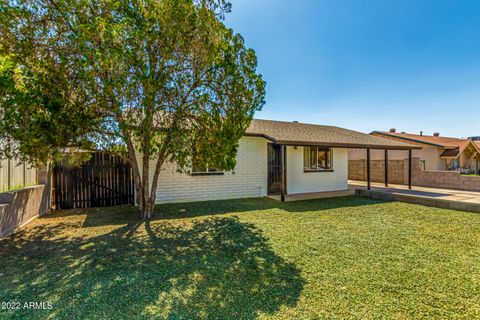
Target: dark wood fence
(106, 180)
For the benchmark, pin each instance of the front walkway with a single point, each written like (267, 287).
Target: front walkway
(435, 197)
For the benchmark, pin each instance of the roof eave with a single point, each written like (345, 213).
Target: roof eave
(345, 145)
(260, 135)
(330, 144)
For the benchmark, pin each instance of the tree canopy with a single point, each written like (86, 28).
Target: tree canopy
(166, 79)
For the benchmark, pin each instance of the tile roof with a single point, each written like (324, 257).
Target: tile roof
(294, 133)
(439, 141)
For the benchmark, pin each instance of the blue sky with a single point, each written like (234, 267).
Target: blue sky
(367, 65)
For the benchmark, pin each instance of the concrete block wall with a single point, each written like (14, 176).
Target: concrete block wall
(18, 207)
(397, 170)
(446, 179)
(248, 179)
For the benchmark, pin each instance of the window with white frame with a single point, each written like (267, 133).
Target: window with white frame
(317, 159)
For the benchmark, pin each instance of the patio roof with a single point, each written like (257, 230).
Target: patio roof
(295, 133)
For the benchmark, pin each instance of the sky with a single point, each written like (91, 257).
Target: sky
(367, 65)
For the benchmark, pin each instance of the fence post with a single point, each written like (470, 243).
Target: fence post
(9, 172)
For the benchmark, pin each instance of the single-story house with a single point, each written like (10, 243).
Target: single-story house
(276, 158)
(435, 151)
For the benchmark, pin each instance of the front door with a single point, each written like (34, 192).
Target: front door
(274, 169)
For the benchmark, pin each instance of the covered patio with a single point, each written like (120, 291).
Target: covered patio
(307, 160)
(464, 158)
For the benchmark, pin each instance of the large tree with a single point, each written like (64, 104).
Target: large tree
(166, 78)
(41, 114)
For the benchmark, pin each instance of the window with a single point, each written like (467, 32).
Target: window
(204, 169)
(317, 159)
(424, 164)
(454, 164)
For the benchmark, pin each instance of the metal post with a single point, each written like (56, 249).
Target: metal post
(410, 169)
(386, 168)
(282, 173)
(368, 170)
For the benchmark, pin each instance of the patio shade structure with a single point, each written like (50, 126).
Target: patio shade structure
(284, 134)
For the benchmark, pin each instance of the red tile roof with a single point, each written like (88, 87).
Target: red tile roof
(446, 142)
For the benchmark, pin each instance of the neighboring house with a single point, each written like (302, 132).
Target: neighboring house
(275, 157)
(436, 153)
(476, 140)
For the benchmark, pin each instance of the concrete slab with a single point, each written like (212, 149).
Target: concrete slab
(434, 197)
(315, 195)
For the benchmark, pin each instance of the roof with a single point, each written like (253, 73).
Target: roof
(445, 142)
(295, 133)
(454, 146)
(451, 153)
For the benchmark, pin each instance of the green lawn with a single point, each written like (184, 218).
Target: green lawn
(256, 258)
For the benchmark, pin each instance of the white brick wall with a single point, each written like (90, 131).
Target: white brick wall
(248, 179)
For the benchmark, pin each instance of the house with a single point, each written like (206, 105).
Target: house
(276, 158)
(436, 152)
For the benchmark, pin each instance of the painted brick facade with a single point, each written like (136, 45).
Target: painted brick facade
(248, 179)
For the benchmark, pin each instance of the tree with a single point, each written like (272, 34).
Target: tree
(40, 116)
(166, 78)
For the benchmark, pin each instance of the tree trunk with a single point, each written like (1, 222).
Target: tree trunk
(148, 209)
(145, 197)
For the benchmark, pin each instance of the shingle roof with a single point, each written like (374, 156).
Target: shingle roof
(294, 133)
(439, 141)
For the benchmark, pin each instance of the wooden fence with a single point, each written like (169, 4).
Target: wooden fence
(15, 174)
(105, 180)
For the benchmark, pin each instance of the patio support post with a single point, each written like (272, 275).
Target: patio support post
(410, 169)
(368, 169)
(386, 168)
(282, 173)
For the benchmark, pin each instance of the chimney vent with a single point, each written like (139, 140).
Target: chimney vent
(436, 134)
(421, 133)
(393, 130)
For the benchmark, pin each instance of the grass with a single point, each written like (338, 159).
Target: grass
(243, 259)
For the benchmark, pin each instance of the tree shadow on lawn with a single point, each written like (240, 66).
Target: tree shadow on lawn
(195, 209)
(215, 268)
